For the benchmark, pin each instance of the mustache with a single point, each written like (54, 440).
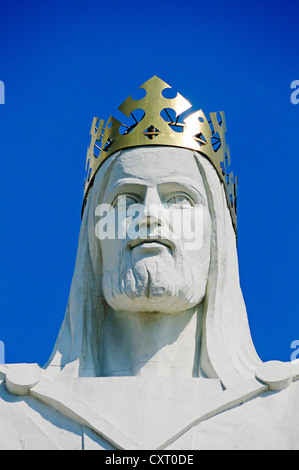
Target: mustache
(151, 239)
(156, 235)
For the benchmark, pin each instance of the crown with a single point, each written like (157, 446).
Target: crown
(157, 120)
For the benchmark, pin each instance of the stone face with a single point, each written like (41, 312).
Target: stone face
(155, 350)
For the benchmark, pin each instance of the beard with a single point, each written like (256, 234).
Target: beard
(163, 281)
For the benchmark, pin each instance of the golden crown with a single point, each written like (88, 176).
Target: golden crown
(157, 121)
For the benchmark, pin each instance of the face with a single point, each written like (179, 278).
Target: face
(156, 257)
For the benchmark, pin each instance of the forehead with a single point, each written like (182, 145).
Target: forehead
(154, 165)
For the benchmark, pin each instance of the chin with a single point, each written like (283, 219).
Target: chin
(154, 284)
(161, 304)
(150, 295)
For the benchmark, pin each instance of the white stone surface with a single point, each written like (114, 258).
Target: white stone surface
(155, 350)
(278, 375)
(20, 378)
(268, 422)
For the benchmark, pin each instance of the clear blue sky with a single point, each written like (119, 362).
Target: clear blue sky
(64, 62)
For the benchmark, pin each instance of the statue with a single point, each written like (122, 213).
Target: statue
(155, 350)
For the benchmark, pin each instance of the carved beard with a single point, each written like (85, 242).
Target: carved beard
(156, 282)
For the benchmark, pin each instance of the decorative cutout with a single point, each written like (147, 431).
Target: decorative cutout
(151, 132)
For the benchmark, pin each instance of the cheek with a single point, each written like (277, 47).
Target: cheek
(111, 234)
(198, 250)
(111, 253)
(192, 227)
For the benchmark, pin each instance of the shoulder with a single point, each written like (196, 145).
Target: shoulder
(28, 424)
(269, 421)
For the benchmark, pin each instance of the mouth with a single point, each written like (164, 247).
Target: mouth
(150, 242)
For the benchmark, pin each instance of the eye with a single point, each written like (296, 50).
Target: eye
(181, 200)
(124, 200)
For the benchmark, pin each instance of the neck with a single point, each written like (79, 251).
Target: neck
(152, 344)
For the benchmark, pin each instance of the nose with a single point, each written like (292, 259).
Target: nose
(152, 216)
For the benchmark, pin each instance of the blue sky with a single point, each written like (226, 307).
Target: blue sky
(64, 62)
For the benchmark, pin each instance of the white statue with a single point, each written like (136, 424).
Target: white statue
(155, 350)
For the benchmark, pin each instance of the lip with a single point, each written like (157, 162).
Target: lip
(141, 241)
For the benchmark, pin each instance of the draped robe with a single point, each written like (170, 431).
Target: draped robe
(236, 402)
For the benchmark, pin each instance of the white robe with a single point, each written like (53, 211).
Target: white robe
(70, 407)
(133, 413)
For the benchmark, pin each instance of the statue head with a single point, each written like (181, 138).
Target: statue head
(156, 255)
(178, 253)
